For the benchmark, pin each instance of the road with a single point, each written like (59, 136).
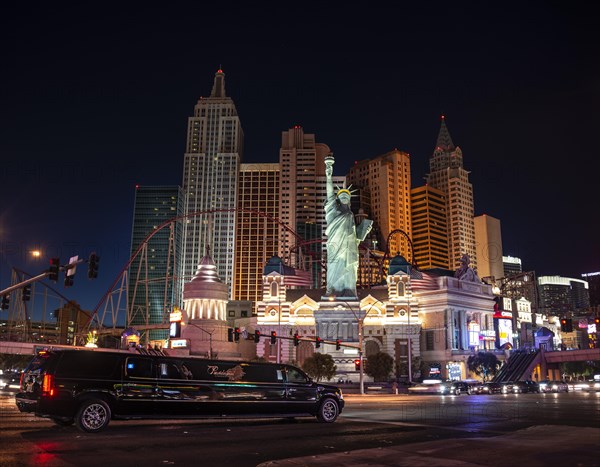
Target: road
(537, 429)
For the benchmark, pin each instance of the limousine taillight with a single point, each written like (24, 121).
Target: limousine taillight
(48, 385)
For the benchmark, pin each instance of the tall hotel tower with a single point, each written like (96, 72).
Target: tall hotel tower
(153, 284)
(448, 175)
(303, 195)
(387, 181)
(257, 234)
(210, 174)
(430, 231)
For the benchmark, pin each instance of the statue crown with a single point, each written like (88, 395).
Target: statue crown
(345, 190)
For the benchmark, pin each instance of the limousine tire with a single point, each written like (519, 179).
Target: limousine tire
(93, 415)
(328, 411)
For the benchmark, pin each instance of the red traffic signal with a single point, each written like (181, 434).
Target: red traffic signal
(296, 339)
(318, 341)
(236, 334)
(256, 336)
(566, 324)
(273, 337)
(338, 344)
(357, 364)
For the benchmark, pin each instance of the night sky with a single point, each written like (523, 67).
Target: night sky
(95, 101)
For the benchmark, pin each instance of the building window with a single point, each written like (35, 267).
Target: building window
(429, 340)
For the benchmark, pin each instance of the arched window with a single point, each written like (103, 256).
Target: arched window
(274, 289)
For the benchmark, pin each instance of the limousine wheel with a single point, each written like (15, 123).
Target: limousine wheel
(328, 411)
(93, 415)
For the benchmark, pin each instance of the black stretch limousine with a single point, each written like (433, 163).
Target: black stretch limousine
(91, 387)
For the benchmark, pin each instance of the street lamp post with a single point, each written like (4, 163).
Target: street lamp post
(361, 375)
(210, 333)
(361, 321)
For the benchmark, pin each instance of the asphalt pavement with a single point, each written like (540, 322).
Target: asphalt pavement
(537, 446)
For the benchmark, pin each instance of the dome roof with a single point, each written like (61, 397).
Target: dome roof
(398, 263)
(206, 283)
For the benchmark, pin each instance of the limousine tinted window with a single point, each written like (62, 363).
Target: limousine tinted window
(87, 365)
(294, 376)
(139, 367)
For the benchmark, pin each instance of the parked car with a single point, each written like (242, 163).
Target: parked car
(554, 386)
(487, 388)
(91, 387)
(456, 387)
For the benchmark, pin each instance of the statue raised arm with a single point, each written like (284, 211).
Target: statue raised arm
(342, 239)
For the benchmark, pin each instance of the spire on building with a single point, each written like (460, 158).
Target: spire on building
(444, 142)
(218, 89)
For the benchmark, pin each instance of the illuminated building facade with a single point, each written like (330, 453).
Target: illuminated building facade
(257, 236)
(386, 179)
(152, 290)
(563, 296)
(511, 265)
(446, 173)
(212, 158)
(302, 197)
(488, 245)
(429, 227)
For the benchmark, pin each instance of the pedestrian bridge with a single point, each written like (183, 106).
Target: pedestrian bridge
(563, 356)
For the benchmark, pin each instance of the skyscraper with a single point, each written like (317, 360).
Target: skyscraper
(563, 296)
(387, 180)
(154, 287)
(257, 235)
(302, 199)
(511, 265)
(430, 232)
(446, 173)
(210, 174)
(488, 244)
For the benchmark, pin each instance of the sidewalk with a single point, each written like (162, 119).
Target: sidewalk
(538, 446)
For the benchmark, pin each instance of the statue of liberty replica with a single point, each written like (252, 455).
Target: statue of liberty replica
(343, 238)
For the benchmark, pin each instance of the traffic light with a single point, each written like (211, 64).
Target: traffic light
(230, 334)
(569, 327)
(338, 344)
(236, 334)
(597, 321)
(566, 324)
(273, 338)
(257, 336)
(5, 302)
(26, 293)
(69, 278)
(93, 261)
(54, 268)
(357, 364)
(296, 339)
(317, 342)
